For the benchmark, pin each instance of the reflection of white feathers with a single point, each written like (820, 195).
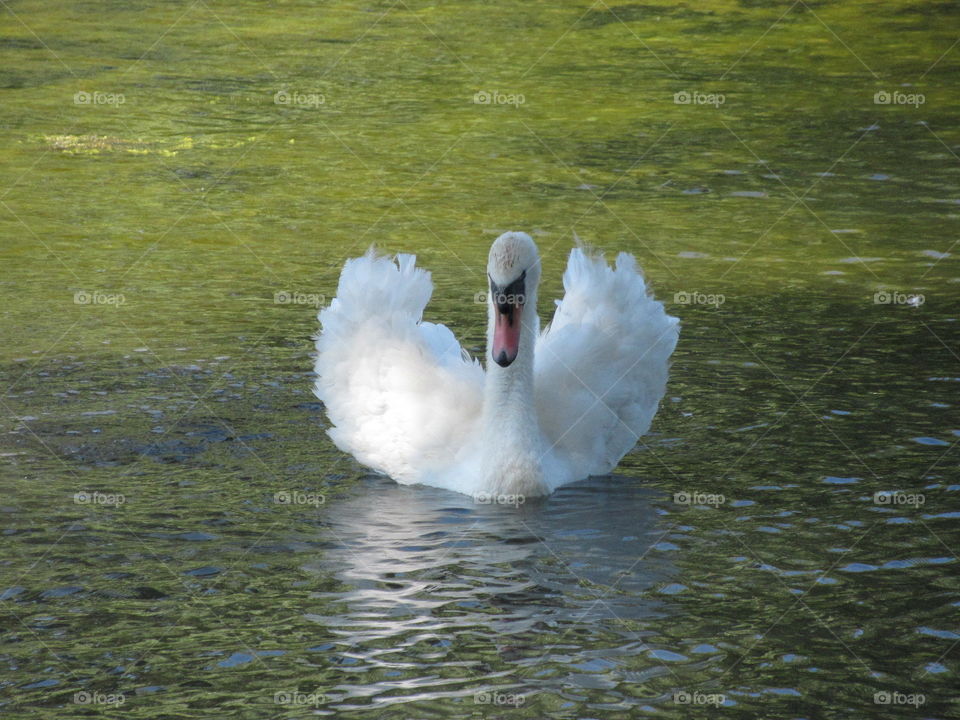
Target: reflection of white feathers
(407, 401)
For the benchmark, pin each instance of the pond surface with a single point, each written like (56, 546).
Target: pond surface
(182, 183)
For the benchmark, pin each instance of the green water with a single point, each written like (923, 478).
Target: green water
(152, 228)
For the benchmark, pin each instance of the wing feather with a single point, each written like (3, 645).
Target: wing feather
(602, 363)
(401, 394)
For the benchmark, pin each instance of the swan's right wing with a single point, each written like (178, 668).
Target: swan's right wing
(401, 394)
(601, 365)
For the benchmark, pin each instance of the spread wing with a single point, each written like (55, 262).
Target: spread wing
(601, 365)
(400, 393)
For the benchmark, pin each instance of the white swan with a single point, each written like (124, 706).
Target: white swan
(553, 407)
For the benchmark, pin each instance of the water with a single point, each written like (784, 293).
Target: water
(163, 258)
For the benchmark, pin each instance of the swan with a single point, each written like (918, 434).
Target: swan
(550, 408)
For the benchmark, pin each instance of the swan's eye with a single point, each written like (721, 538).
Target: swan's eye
(516, 288)
(505, 298)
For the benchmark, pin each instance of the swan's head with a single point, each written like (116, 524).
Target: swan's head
(513, 269)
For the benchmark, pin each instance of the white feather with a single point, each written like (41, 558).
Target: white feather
(601, 364)
(399, 392)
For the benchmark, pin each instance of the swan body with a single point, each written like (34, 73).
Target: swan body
(550, 408)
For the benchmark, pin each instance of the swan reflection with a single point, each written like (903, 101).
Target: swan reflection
(432, 561)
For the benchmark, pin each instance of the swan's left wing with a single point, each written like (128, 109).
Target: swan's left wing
(400, 393)
(601, 364)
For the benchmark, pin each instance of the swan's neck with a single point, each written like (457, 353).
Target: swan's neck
(508, 398)
(512, 435)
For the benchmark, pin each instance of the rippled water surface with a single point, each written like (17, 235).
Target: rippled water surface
(181, 184)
